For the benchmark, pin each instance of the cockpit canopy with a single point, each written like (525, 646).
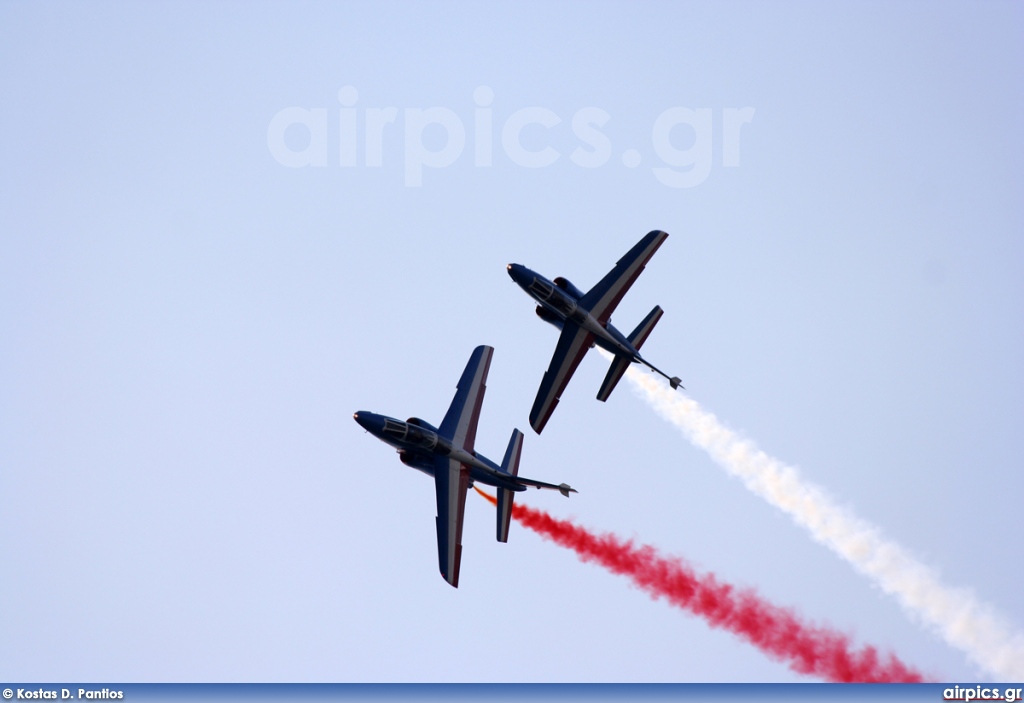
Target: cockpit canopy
(395, 429)
(420, 437)
(541, 288)
(410, 434)
(563, 304)
(557, 298)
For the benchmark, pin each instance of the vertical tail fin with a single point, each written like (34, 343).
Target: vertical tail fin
(509, 465)
(621, 363)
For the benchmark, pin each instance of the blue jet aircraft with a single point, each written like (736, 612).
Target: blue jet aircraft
(585, 320)
(447, 454)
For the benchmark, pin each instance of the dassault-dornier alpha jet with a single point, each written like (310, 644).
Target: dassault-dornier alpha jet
(447, 454)
(585, 320)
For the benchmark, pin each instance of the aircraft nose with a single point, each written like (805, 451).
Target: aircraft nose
(371, 422)
(515, 271)
(363, 418)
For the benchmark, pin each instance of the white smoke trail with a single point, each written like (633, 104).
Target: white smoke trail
(958, 617)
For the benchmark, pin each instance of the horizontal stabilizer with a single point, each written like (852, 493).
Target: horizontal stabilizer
(611, 379)
(638, 336)
(509, 465)
(504, 506)
(619, 365)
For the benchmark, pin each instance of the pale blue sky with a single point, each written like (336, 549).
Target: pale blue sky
(186, 327)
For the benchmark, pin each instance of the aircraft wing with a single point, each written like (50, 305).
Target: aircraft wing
(602, 299)
(459, 424)
(572, 346)
(451, 481)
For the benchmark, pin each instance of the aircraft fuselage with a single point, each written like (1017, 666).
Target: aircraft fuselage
(560, 304)
(418, 443)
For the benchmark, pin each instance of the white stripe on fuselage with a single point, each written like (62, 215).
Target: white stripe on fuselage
(590, 324)
(584, 319)
(462, 456)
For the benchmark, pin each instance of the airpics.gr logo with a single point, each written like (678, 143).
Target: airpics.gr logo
(678, 168)
(981, 693)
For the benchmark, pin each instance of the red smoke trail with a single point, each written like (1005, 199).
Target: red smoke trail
(776, 631)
